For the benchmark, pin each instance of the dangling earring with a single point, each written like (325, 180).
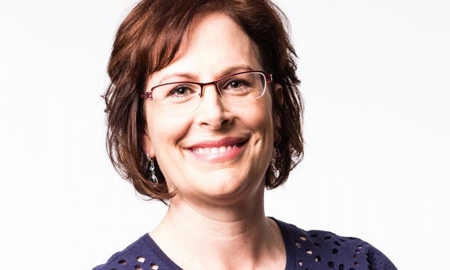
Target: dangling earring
(276, 172)
(154, 179)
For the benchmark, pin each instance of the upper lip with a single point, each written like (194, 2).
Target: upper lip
(228, 141)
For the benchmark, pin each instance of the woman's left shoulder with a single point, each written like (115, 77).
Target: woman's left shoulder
(319, 248)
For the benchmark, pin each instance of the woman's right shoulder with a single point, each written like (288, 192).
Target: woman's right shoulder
(135, 256)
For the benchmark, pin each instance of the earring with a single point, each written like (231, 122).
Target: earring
(154, 179)
(276, 172)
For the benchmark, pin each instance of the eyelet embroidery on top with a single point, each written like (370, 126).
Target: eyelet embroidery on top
(314, 250)
(140, 260)
(334, 251)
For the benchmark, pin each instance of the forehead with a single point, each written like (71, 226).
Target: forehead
(213, 44)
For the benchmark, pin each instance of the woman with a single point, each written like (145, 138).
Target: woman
(204, 114)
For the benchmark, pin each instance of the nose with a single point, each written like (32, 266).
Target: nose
(211, 112)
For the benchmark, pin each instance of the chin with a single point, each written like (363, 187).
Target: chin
(230, 187)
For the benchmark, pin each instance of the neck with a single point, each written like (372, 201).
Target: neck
(237, 236)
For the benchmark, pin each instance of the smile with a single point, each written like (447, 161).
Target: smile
(218, 151)
(214, 150)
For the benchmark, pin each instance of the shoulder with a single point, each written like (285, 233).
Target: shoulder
(317, 249)
(136, 256)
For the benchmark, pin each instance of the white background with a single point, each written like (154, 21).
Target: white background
(376, 89)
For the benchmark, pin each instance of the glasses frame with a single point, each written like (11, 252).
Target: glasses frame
(267, 77)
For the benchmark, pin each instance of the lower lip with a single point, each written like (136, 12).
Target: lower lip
(219, 157)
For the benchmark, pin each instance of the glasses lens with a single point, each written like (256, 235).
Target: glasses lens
(243, 88)
(184, 98)
(177, 97)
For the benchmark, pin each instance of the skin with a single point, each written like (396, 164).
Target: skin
(217, 219)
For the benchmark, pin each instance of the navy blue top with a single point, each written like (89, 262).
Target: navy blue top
(305, 250)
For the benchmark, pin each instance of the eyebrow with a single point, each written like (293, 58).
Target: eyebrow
(193, 77)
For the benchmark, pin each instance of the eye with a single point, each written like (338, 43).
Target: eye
(236, 83)
(181, 91)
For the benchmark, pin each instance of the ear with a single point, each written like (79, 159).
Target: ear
(276, 110)
(147, 145)
(278, 94)
(146, 142)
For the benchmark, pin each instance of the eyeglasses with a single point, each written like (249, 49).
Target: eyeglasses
(184, 97)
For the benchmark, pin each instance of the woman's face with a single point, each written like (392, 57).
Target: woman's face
(200, 153)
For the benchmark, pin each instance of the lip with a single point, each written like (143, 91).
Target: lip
(228, 141)
(234, 147)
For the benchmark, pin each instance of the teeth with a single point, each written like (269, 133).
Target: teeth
(214, 150)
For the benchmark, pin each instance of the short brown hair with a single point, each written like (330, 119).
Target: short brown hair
(147, 41)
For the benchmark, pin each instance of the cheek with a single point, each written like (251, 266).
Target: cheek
(259, 120)
(164, 136)
(166, 131)
(258, 117)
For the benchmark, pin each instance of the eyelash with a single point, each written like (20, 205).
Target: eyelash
(175, 89)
